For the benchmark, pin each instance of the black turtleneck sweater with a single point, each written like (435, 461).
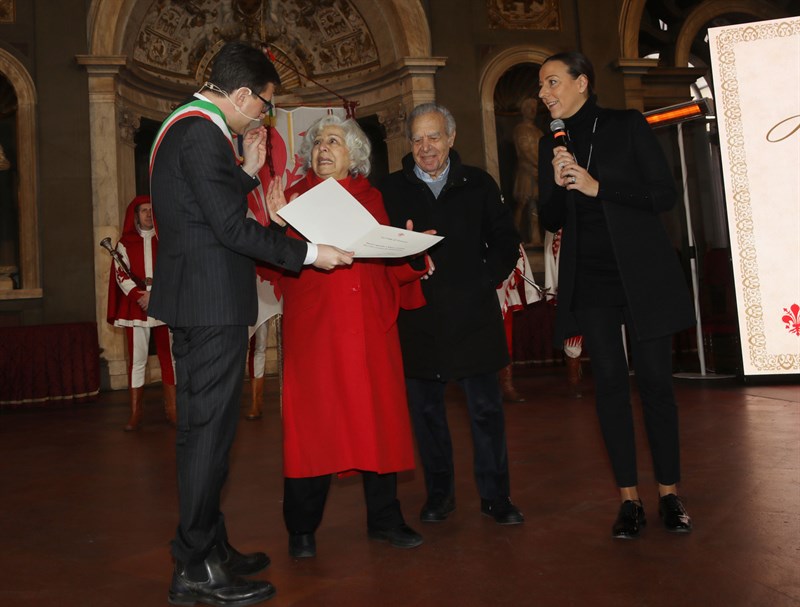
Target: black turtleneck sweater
(597, 280)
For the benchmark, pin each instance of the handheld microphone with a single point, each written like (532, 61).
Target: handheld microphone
(559, 130)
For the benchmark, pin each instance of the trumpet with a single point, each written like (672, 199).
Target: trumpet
(106, 244)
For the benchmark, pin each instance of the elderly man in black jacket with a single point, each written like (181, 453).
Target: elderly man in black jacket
(459, 334)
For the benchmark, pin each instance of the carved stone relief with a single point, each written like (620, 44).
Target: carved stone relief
(321, 38)
(128, 126)
(524, 14)
(393, 120)
(8, 9)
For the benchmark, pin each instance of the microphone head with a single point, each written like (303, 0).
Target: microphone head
(557, 125)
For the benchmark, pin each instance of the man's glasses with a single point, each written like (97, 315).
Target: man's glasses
(267, 104)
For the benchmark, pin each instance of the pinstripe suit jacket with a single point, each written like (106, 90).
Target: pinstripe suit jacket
(205, 275)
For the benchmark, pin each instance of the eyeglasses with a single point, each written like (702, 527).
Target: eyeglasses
(268, 105)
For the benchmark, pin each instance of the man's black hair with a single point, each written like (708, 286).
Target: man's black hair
(240, 65)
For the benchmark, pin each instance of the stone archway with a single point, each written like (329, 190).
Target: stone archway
(491, 74)
(25, 91)
(706, 11)
(125, 84)
(632, 11)
(630, 21)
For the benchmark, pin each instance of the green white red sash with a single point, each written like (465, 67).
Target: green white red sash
(199, 107)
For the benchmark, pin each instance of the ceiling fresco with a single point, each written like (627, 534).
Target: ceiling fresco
(322, 39)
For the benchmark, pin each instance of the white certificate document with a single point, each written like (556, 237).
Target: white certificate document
(329, 214)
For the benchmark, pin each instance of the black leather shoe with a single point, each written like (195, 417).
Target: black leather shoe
(436, 509)
(242, 564)
(401, 536)
(302, 546)
(630, 520)
(674, 515)
(220, 588)
(502, 511)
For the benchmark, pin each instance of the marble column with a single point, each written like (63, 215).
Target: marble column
(108, 153)
(393, 120)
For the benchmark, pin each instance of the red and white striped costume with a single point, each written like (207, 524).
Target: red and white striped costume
(269, 296)
(509, 297)
(138, 249)
(573, 346)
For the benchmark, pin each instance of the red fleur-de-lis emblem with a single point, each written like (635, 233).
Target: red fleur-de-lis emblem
(792, 319)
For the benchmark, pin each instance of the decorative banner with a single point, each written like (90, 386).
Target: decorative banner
(290, 128)
(755, 68)
(285, 139)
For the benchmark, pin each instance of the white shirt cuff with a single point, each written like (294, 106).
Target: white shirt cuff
(311, 254)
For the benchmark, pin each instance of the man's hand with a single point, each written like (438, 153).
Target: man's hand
(430, 266)
(428, 260)
(144, 300)
(410, 228)
(255, 150)
(328, 257)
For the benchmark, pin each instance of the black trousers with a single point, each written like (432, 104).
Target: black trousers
(304, 502)
(652, 362)
(209, 363)
(429, 418)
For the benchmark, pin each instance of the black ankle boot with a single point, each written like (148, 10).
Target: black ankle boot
(219, 586)
(242, 564)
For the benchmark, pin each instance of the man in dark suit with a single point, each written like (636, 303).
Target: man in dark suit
(204, 289)
(459, 334)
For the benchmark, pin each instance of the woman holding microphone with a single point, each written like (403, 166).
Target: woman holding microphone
(604, 180)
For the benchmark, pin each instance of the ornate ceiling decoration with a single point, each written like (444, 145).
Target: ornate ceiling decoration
(524, 14)
(323, 39)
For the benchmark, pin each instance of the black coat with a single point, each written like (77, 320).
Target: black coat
(205, 275)
(459, 333)
(636, 185)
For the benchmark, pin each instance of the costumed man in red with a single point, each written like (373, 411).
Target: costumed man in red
(256, 367)
(510, 300)
(573, 346)
(269, 296)
(128, 300)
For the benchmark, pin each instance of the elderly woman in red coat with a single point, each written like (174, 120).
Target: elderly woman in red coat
(344, 397)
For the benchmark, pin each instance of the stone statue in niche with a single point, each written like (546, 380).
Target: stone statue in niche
(526, 175)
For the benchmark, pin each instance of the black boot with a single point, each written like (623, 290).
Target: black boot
(218, 586)
(242, 564)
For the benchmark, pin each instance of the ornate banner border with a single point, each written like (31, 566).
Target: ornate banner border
(757, 358)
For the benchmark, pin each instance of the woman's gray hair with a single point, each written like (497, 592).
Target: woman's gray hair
(428, 108)
(356, 140)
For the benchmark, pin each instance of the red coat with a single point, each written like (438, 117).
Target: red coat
(344, 395)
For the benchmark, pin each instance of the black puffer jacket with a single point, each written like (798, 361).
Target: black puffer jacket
(460, 331)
